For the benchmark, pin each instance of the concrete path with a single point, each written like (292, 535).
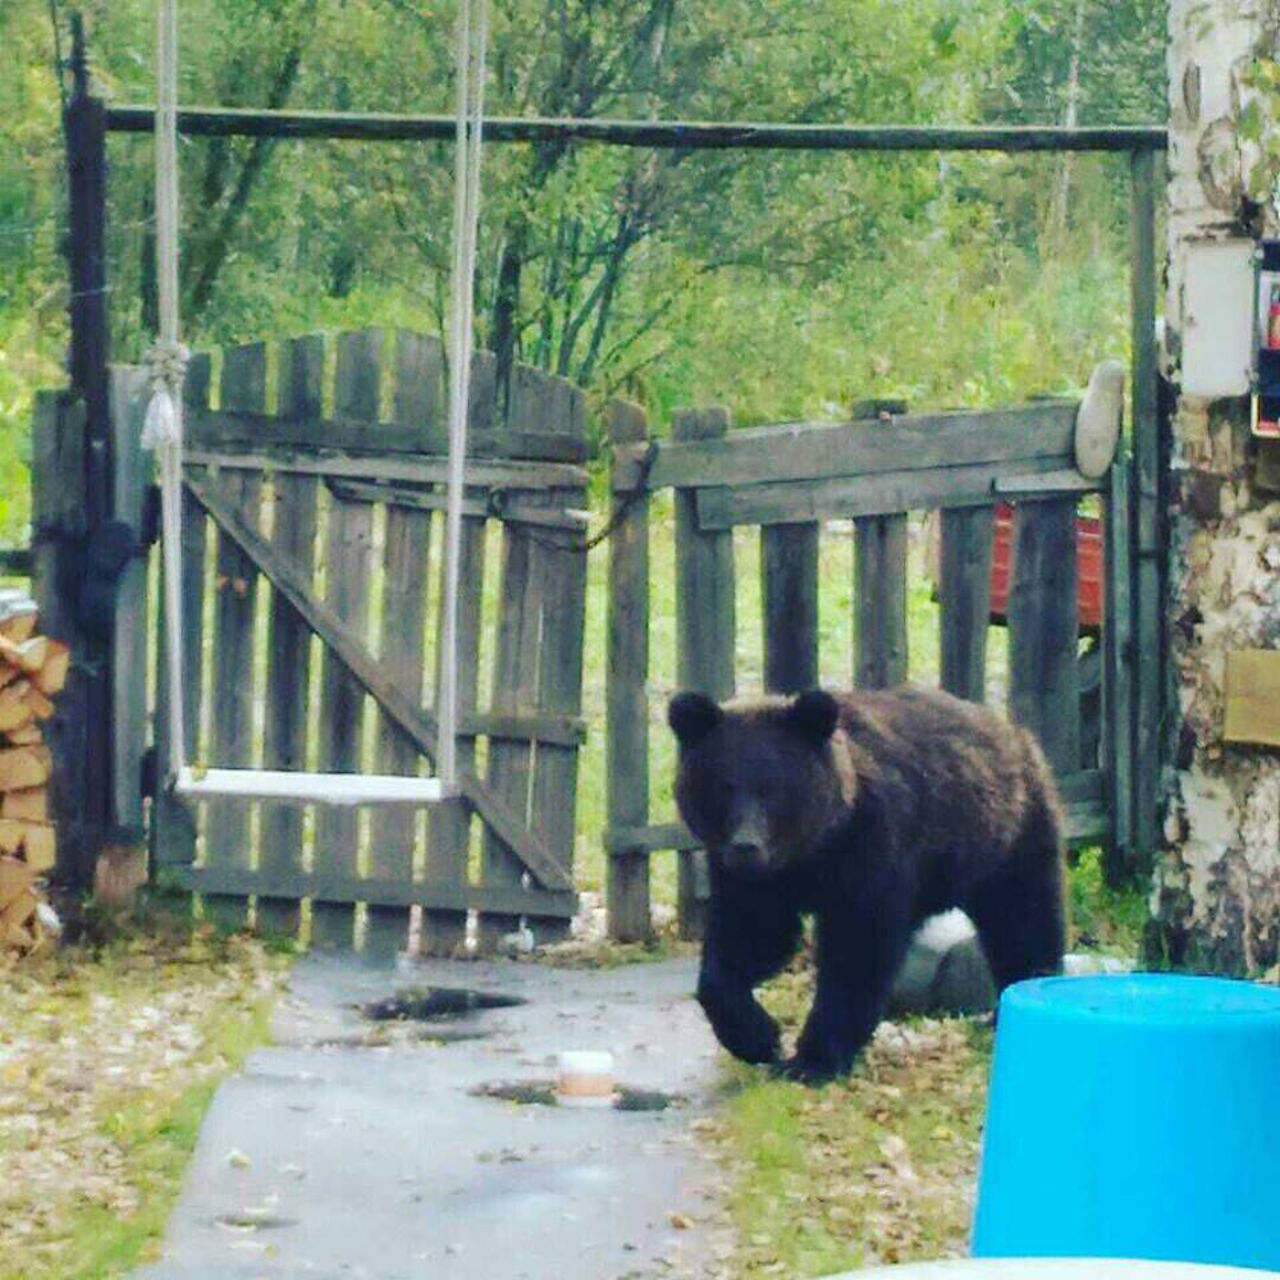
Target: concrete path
(329, 1157)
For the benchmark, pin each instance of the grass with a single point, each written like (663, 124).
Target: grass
(109, 1060)
(877, 1168)
(880, 1167)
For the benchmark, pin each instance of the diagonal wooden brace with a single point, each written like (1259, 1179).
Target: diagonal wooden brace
(541, 863)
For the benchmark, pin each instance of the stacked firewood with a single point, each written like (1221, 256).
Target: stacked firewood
(33, 670)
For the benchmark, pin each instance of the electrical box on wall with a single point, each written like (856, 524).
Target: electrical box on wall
(1219, 308)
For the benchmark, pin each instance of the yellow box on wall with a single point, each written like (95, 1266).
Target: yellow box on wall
(1253, 697)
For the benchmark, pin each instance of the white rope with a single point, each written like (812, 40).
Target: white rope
(166, 365)
(472, 37)
(163, 431)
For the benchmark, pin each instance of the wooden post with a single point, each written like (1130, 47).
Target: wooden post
(174, 821)
(1043, 628)
(129, 394)
(965, 590)
(90, 805)
(627, 775)
(880, 602)
(1117, 678)
(706, 618)
(1145, 480)
(57, 516)
(789, 587)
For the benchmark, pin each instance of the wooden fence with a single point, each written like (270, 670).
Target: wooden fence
(312, 544)
(789, 480)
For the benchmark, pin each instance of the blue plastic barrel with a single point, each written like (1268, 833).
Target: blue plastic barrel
(1134, 1116)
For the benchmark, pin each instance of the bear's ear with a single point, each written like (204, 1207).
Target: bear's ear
(814, 715)
(692, 716)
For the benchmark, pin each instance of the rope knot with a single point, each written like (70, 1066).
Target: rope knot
(166, 366)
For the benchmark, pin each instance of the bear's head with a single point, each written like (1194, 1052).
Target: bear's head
(760, 783)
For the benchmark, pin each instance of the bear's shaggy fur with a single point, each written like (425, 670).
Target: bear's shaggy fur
(870, 811)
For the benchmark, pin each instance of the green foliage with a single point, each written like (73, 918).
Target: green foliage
(1104, 919)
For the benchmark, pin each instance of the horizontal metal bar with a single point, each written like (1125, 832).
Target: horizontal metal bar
(691, 135)
(338, 789)
(322, 887)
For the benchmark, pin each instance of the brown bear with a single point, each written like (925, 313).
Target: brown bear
(870, 811)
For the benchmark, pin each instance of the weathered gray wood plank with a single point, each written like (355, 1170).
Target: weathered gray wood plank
(524, 600)
(396, 893)
(964, 589)
(348, 578)
(174, 822)
(243, 385)
(880, 602)
(706, 616)
(299, 392)
(418, 368)
(449, 825)
(865, 495)
(513, 476)
(627, 775)
(220, 428)
(555, 780)
(909, 442)
(1118, 676)
(789, 581)
(1043, 621)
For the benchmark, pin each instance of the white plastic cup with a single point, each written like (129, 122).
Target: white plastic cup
(585, 1079)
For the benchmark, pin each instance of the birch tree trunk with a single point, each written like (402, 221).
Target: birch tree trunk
(1216, 898)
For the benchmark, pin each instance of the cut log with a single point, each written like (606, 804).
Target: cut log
(40, 706)
(15, 708)
(28, 806)
(30, 735)
(24, 767)
(52, 676)
(20, 910)
(27, 655)
(15, 878)
(18, 614)
(35, 843)
(17, 938)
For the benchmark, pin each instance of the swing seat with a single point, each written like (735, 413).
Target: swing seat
(337, 789)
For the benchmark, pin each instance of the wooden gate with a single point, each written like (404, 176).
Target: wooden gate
(312, 544)
(789, 481)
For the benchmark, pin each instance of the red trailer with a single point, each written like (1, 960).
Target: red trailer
(1089, 569)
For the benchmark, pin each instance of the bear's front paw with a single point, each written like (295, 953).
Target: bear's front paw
(759, 1044)
(810, 1071)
